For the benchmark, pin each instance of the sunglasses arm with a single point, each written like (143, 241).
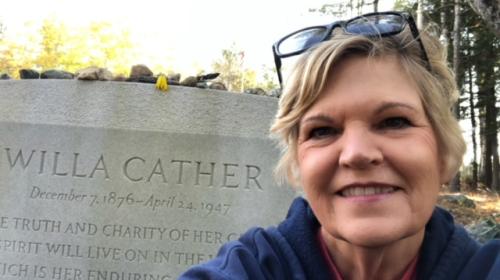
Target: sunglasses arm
(277, 62)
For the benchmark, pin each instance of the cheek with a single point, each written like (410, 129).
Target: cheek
(316, 167)
(420, 168)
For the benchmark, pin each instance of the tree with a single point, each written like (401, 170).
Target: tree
(269, 78)
(53, 38)
(232, 71)
(489, 10)
(342, 8)
(480, 63)
(455, 183)
(55, 47)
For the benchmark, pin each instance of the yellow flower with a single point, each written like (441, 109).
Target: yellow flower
(162, 82)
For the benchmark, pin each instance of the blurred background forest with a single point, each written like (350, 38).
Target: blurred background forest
(470, 29)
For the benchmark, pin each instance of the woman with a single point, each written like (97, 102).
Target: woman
(368, 134)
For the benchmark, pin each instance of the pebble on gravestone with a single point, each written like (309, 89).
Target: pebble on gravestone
(201, 84)
(275, 92)
(173, 82)
(94, 73)
(217, 85)
(256, 91)
(120, 78)
(140, 70)
(4, 76)
(190, 81)
(29, 74)
(175, 77)
(57, 74)
(146, 79)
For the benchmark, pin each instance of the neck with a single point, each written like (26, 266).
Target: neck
(383, 262)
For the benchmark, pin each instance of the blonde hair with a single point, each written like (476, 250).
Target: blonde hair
(437, 88)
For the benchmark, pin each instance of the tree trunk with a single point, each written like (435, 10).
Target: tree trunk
(455, 183)
(492, 134)
(486, 82)
(445, 39)
(489, 10)
(375, 6)
(473, 126)
(485, 146)
(496, 165)
(420, 16)
(489, 133)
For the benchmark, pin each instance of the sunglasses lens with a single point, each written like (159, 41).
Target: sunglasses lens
(376, 25)
(301, 40)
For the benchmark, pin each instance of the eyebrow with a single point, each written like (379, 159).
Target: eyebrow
(319, 117)
(390, 105)
(383, 107)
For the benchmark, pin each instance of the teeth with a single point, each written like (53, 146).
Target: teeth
(363, 191)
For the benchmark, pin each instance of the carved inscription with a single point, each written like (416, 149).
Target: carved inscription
(113, 254)
(140, 170)
(99, 204)
(40, 271)
(123, 231)
(136, 169)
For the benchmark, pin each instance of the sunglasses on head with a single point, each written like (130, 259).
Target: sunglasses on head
(371, 25)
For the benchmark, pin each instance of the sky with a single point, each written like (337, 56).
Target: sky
(189, 34)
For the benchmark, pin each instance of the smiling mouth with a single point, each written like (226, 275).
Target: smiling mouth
(366, 191)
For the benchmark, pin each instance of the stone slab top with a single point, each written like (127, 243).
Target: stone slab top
(121, 105)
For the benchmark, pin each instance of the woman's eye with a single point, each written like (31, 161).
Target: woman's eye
(395, 123)
(322, 132)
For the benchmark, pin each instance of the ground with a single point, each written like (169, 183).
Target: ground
(479, 212)
(486, 205)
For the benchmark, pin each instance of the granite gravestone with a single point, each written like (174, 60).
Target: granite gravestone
(119, 181)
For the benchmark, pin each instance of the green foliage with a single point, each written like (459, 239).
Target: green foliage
(54, 36)
(269, 78)
(232, 71)
(55, 46)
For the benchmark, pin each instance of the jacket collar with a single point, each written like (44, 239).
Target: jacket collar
(445, 250)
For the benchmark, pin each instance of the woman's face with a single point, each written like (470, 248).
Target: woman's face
(367, 154)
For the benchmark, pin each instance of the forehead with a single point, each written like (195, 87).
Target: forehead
(369, 80)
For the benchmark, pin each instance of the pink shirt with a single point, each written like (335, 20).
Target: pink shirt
(410, 273)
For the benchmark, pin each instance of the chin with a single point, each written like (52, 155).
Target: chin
(374, 234)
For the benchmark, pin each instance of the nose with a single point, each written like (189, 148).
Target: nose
(360, 150)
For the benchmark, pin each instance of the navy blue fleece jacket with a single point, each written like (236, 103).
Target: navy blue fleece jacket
(291, 251)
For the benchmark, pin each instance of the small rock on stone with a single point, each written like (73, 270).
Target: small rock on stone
(173, 82)
(174, 77)
(56, 74)
(4, 76)
(29, 74)
(256, 91)
(94, 73)
(140, 70)
(275, 93)
(217, 85)
(120, 78)
(201, 84)
(190, 81)
(146, 79)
